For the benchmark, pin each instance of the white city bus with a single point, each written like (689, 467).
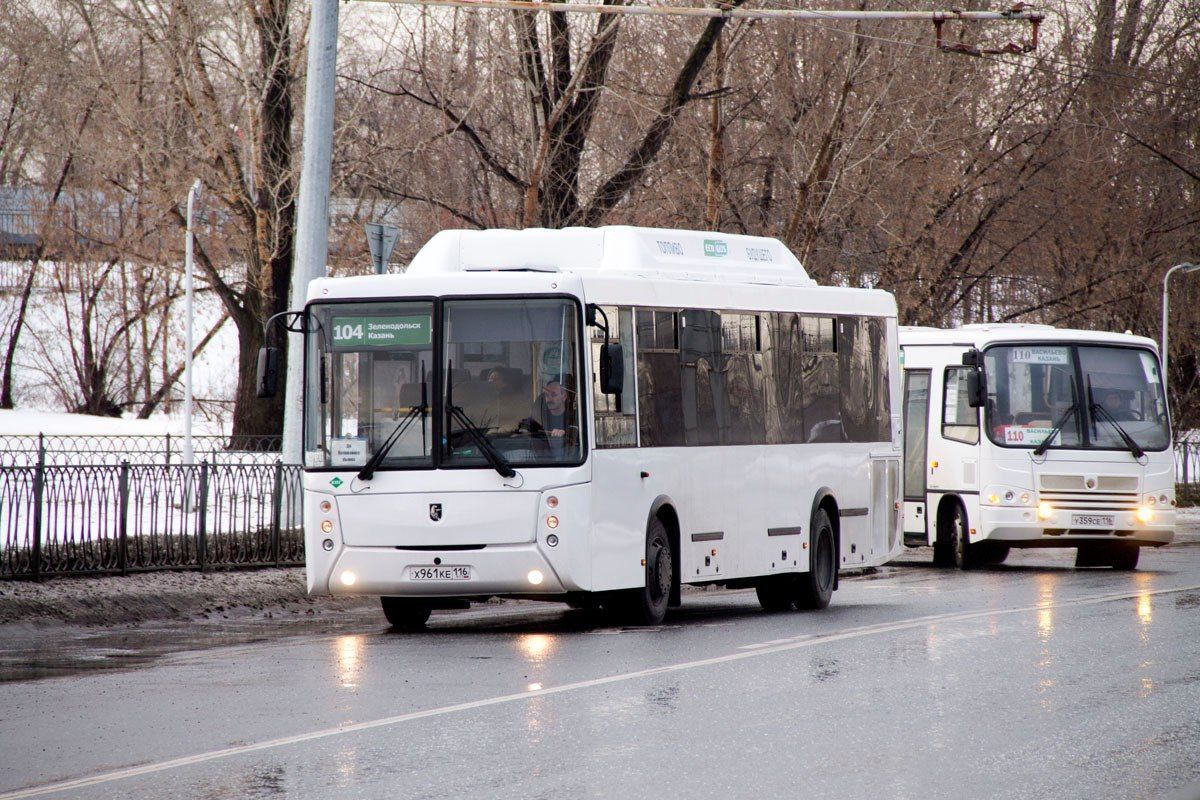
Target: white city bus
(1033, 436)
(596, 416)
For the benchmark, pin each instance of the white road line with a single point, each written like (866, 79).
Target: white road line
(762, 649)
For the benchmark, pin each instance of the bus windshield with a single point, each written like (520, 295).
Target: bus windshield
(370, 366)
(511, 366)
(1083, 395)
(508, 379)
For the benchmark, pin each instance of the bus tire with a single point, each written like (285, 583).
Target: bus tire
(776, 592)
(943, 543)
(956, 526)
(814, 589)
(406, 613)
(1124, 557)
(647, 605)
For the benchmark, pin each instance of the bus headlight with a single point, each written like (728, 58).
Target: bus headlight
(1045, 510)
(349, 578)
(1006, 496)
(1144, 514)
(535, 577)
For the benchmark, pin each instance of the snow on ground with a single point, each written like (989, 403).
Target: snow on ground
(28, 422)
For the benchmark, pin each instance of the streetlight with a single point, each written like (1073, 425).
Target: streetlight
(189, 453)
(1185, 267)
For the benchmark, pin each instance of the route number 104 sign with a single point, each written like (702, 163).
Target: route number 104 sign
(359, 332)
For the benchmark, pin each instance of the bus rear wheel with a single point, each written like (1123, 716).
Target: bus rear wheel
(648, 605)
(406, 613)
(814, 589)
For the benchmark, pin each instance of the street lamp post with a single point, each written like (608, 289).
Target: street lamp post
(189, 453)
(1185, 267)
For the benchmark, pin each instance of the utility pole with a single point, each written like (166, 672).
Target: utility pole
(312, 208)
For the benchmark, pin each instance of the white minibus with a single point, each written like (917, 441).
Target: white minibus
(1034, 436)
(596, 416)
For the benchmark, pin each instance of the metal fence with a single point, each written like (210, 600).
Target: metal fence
(1187, 462)
(27, 450)
(60, 519)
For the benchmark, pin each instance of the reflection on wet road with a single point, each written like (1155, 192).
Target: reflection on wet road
(1033, 679)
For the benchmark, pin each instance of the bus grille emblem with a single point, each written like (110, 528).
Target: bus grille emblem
(435, 511)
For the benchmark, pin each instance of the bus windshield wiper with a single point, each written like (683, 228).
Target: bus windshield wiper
(1133, 446)
(498, 461)
(368, 470)
(1040, 450)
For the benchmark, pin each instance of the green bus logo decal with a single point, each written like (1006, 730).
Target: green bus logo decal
(715, 248)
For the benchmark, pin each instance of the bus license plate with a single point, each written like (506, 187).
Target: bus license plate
(439, 573)
(1093, 520)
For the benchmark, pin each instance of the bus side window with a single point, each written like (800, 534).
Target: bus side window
(660, 403)
(960, 422)
(616, 415)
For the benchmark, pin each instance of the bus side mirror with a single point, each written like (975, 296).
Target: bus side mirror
(268, 371)
(972, 358)
(612, 369)
(976, 388)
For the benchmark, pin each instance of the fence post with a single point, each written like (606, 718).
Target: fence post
(39, 482)
(123, 541)
(202, 544)
(167, 460)
(276, 509)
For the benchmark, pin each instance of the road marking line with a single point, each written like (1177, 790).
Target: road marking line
(762, 649)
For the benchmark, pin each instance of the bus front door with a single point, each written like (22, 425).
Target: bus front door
(916, 445)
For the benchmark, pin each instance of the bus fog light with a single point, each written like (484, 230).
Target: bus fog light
(349, 578)
(535, 576)
(552, 540)
(1144, 514)
(551, 521)
(327, 545)
(326, 526)
(1045, 510)
(552, 501)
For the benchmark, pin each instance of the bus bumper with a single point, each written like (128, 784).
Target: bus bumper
(1019, 527)
(494, 570)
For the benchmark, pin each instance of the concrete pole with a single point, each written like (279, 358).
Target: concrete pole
(189, 452)
(312, 208)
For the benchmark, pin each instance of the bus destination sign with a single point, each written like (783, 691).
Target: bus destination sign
(357, 332)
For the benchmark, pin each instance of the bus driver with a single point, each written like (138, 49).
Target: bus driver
(552, 423)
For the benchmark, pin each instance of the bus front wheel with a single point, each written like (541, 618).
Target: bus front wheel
(406, 613)
(955, 535)
(814, 589)
(647, 605)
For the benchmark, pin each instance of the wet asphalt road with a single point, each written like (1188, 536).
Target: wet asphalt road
(1029, 680)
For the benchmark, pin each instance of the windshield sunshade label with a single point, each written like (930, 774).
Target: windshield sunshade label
(357, 332)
